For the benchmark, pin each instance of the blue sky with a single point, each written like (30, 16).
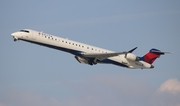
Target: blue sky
(35, 75)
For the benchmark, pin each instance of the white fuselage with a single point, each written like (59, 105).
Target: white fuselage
(75, 48)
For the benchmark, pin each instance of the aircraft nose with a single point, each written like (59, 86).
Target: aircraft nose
(12, 34)
(15, 36)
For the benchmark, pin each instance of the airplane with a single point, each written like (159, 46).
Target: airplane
(87, 54)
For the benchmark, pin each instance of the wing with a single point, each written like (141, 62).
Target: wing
(102, 56)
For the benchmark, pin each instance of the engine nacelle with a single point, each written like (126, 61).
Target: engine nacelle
(81, 60)
(131, 57)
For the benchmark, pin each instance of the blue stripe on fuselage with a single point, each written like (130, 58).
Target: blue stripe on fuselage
(75, 52)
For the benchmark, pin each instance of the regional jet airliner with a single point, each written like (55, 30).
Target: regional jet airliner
(88, 54)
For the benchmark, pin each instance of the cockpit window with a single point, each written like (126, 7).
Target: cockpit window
(24, 31)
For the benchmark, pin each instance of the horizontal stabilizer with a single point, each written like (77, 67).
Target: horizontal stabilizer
(155, 51)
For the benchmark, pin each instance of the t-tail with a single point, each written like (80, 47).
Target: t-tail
(152, 55)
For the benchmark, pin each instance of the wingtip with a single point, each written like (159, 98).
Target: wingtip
(130, 51)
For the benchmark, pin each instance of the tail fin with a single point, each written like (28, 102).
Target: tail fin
(152, 55)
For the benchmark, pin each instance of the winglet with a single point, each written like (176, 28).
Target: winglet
(130, 51)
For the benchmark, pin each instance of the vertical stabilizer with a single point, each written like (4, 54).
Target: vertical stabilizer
(152, 55)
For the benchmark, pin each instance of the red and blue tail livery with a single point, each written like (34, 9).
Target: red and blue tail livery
(152, 55)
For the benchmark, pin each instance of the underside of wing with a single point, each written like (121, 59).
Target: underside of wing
(102, 56)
